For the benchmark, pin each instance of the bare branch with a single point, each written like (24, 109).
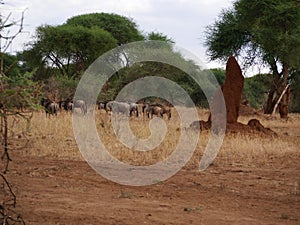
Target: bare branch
(279, 99)
(10, 39)
(9, 188)
(6, 211)
(5, 21)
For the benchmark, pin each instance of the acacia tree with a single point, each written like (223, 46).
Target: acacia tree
(260, 31)
(74, 45)
(70, 49)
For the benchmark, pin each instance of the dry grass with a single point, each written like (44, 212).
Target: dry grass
(51, 137)
(54, 138)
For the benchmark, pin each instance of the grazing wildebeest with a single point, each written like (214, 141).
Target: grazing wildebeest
(122, 107)
(51, 108)
(115, 108)
(67, 105)
(118, 107)
(166, 110)
(157, 110)
(109, 106)
(154, 110)
(102, 105)
(61, 105)
(134, 107)
(146, 108)
(81, 105)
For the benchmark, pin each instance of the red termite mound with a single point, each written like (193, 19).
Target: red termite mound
(232, 89)
(232, 92)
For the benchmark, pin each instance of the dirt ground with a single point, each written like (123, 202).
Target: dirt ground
(70, 192)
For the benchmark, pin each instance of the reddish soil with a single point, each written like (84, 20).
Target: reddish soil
(70, 192)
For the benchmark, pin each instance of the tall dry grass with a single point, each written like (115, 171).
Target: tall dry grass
(53, 138)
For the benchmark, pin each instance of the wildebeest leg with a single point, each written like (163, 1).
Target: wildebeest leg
(85, 108)
(109, 116)
(56, 110)
(137, 113)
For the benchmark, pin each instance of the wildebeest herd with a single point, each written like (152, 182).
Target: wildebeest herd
(52, 108)
(129, 109)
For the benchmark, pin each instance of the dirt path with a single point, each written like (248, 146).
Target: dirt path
(70, 192)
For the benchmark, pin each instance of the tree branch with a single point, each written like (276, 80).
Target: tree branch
(276, 105)
(11, 38)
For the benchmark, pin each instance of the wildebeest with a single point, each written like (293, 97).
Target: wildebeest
(67, 105)
(118, 107)
(81, 105)
(122, 107)
(167, 110)
(102, 105)
(51, 107)
(157, 110)
(109, 106)
(134, 107)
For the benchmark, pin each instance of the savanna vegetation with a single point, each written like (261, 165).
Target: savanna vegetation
(260, 32)
(58, 55)
(252, 171)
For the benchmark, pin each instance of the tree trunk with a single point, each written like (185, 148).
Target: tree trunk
(271, 101)
(284, 103)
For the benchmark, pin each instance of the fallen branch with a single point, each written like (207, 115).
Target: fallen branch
(277, 103)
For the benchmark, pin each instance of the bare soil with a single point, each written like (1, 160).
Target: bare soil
(51, 191)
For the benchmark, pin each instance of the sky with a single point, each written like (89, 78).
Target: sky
(182, 20)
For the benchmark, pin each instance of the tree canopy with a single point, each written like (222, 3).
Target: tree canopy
(74, 45)
(123, 29)
(65, 46)
(259, 28)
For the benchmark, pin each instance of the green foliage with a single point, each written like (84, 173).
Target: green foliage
(66, 86)
(61, 53)
(157, 36)
(121, 28)
(274, 25)
(256, 89)
(60, 87)
(68, 45)
(32, 60)
(19, 93)
(145, 69)
(10, 65)
(225, 37)
(220, 75)
(260, 31)
(259, 28)
(74, 45)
